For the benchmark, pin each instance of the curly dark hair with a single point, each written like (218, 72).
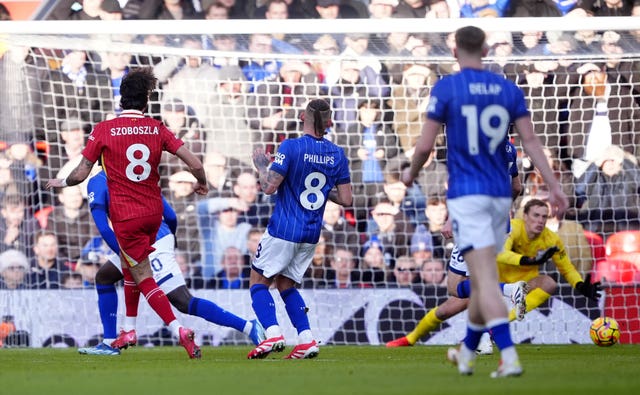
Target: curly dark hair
(136, 87)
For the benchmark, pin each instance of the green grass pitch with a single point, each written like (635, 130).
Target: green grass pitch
(557, 369)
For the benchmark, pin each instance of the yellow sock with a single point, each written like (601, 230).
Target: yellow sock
(427, 324)
(534, 299)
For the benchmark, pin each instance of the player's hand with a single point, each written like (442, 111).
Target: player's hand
(200, 189)
(588, 289)
(540, 259)
(406, 177)
(558, 202)
(260, 159)
(447, 229)
(55, 183)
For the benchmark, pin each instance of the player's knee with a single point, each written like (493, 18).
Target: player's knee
(548, 284)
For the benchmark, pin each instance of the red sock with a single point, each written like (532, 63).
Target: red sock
(131, 294)
(157, 299)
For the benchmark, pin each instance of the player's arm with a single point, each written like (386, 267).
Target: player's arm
(169, 215)
(342, 195)
(424, 145)
(516, 187)
(101, 218)
(533, 148)
(269, 180)
(195, 167)
(77, 175)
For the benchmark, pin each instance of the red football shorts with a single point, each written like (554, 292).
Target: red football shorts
(136, 237)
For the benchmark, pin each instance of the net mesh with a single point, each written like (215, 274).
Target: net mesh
(233, 89)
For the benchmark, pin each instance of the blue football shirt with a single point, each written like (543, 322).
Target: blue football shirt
(477, 107)
(311, 167)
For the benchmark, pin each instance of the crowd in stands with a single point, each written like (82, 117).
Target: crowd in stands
(587, 114)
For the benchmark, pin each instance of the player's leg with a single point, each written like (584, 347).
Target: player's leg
(182, 299)
(127, 335)
(431, 321)
(295, 306)
(272, 257)
(136, 246)
(106, 277)
(541, 288)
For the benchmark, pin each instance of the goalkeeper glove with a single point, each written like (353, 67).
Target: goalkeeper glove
(541, 258)
(589, 290)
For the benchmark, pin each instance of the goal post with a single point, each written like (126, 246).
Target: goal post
(228, 86)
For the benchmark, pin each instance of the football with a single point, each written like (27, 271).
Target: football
(604, 331)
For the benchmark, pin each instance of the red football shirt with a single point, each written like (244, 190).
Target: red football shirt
(131, 146)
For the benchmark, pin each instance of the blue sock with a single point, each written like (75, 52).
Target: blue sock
(474, 333)
(263, 305)
(464, 289)
(501, 333)
(108, 308)
(296, 309)
(213, 313)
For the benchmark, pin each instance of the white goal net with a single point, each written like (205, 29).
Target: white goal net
(226, 87)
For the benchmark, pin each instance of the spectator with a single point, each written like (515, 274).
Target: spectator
(534, 185)
(75, 89)
(437, 214)
(373, 270)
(90, 10)
(219, 174)
(602, 113)
(168, 9)
(391, 228)
(253, 241)
(71, 280)
(614, 8)
(343, 234)
(343, 272)
(283, 43)
(408, 102)
(16, 227)
(395, 45)
(354, 83)
(501, 48)
(260, 69)
(71, 222)
(190, 79)
(326, 46)
(7, 183)
(275, 106)
(116, 65)
(184, 202)
(404, 272)
(258, 208)
(24, 166)
(625, 72)
(382, 9)
(411, 9)
(410, 200)
(369, 143)
(14, 267)
(432, 272)
(64, 146)
(442, 9)
(610, 189)
(229, 130)
(316, 274)
(219, 228)
(234, 274)
(175, 116)
(295, 9)
(421, 245)
(484, 9)
(47, 269)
